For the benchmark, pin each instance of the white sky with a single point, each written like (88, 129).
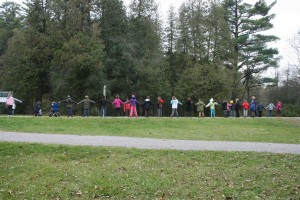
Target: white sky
(286, 23)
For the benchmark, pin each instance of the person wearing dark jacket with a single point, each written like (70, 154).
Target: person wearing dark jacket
(189, 108)
(103, 106)
(69, 101)
(225, 108)
(260, 109)
(147, 106)
(38, 109)
(237, 107)
(86, 106)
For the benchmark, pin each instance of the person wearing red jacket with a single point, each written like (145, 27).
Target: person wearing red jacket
(126, 107)
(245, 106)
(159, 106)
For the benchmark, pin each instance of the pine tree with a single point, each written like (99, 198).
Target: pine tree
(251, 55)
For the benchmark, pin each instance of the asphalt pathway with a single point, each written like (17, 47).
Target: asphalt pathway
(146, 143)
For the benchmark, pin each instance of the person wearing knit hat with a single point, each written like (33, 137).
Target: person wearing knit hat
(133, 104)
(212, 106)
(69, 103)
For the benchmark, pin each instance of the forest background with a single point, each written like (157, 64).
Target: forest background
(49, 49)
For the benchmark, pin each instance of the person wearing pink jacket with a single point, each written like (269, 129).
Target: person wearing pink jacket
(117, 103)
(278, 108)
(11, 103)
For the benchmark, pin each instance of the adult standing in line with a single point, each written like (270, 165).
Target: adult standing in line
(117, 103)
(270, 108)
(237, 106)
(212, 106)
(86, 106)
(159, 105)
(200, 107)
(103, 106)
(174, 102)
(69, 101)
(133, 104)
(278, 108)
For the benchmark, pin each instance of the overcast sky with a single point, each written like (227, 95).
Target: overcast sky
(286, 23)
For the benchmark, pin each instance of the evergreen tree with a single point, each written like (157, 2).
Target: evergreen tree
(251, 53)
(113, 21)
(145, 36)
(10, 20)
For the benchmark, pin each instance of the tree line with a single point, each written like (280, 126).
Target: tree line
(51, 49)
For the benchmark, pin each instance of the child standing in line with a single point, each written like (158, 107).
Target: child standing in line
(86, 106)
(117, 103)
(200, 108)
(133, 104)
(237, 106)
(232, 108)
(159, 105)
(212, 106)
(270, 108)
(278, 108)
(174, 103)
(126, 107)
(253, 107)
(189, 107)
(147, 106)
(69, 101)
(260, 108)
(38, 109)
(9, 104)
(245, 106)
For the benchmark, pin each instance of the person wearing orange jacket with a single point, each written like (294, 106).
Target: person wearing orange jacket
(126, 107)
(245, 107)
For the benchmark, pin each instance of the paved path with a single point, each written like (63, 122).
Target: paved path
(146, 143)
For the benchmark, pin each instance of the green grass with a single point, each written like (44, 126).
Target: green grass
(31, 171)
(220, 129)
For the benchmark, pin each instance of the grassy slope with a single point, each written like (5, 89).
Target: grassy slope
(29, 171)
(254, 130)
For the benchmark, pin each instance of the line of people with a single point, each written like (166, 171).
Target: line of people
(232, 109)
(129, 107)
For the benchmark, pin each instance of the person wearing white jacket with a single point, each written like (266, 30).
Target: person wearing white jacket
(174, 103)
(271, 107)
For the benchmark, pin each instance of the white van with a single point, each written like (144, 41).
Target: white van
(3, 96)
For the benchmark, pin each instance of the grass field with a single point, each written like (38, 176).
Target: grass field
(30, 171)
(220, 129)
